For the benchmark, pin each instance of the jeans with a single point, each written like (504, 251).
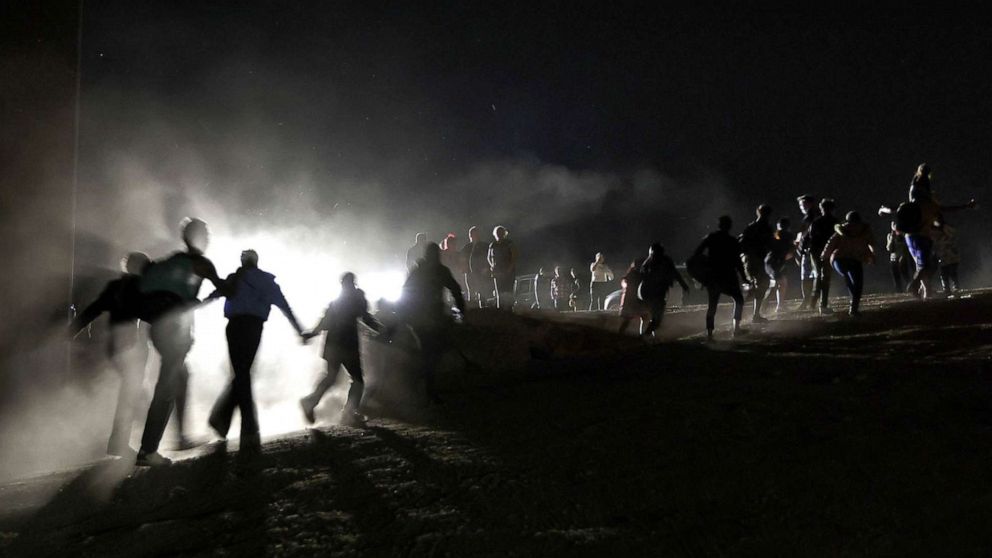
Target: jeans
(853, 273)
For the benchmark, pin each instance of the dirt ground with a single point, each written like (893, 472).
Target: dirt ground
(813, 436)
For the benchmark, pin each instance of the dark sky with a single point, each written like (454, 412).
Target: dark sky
(597, 127)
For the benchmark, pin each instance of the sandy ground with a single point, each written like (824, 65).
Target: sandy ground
(820, 436)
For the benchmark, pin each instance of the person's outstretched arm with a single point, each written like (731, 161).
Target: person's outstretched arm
(972, 204)
(92, 312)
(367, 318)
(280, 302)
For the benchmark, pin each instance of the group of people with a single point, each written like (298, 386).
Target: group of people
(160, 296)
(758, 258)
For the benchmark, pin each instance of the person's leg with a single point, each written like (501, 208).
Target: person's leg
(624, 324)
(244, 341)
(431, 350)
(353, 365)
(895, 268)
(857, 274)
(734, 290)
(163, 335)
(657, 313)
(127, 395)
(222, 411)
(713, 299)
(953, 276)
(823, 273)
(841, 266)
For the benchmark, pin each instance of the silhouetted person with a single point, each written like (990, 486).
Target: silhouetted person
(423, 308)
(573, 298)
(781, 250)
(542, 291)
(477, 272)
(755, 242)
(127, 345)
(808, 258)
(899, 258)
(820, 232)
(416, 251)
(169, 289)
(915, 220)
(658, 274)
(847, 251)
(561, 290)
(253, 293)
(503, 263)
(341, 348)
(599, 282)
(723, 272)
(631, 306)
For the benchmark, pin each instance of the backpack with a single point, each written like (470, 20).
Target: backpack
(909, 217)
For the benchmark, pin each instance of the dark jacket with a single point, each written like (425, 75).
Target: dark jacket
(503, 257)
(120, 298)
(658, 274)
(820, 232)
(756, 238)
(340, 321)
(723, 256)
(423, 293)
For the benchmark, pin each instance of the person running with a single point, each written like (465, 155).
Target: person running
(476, 271)
(819, 234)
(599, 284)
(561, 290)
(781, 250)
(169, 289)
(503, 264)
(630, 305)
(848, 250)
(946, 247)
(423, 309)
(915, 219)
(808, 259)
(416, 251)
(723, 272)
(127, 345)
(252, 294)
(341, 349)
(755, 242)
(899, 258)
(658, 274)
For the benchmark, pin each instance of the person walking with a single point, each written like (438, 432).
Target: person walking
(719, 258)
(127, 345)
(847, 251)
(342, 349)
(169, 293)
(658, 274)
(252, 294)
(807, 258)
(820, 232)
(781, 251)
(755, 242)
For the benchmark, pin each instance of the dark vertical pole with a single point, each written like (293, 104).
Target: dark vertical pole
(75, 179)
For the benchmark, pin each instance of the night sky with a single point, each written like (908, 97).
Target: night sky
(581, 128)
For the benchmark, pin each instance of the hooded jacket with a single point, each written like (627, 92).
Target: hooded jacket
(255, 291)
(850, 241)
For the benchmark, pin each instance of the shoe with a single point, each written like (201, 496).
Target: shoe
(825, 311)
(188, 443)
(218, 428)
(759, 320)
(154, 459)
(307, 409)
(354, 419)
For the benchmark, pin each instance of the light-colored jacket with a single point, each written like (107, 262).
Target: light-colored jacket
(851, 241)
